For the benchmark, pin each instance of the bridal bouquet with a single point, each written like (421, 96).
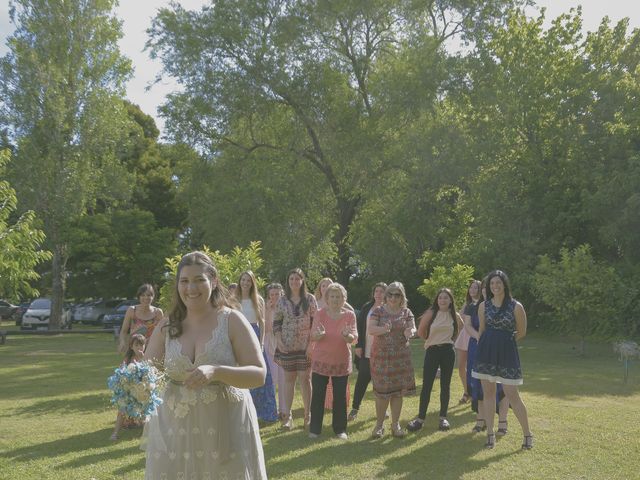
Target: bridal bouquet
(136, 388)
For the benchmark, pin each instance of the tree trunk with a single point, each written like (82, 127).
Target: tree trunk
(58, 272)
(347, 209)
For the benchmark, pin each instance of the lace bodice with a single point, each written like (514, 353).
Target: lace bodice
(217, 351)
(500, 320)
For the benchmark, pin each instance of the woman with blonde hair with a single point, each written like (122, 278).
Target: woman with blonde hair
(334, 330)
(392, 325)
(252, 304)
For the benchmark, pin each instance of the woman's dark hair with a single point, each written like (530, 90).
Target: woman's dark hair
(469, 298)
(144, 288)
(507, 287)
(378, 285)
(220, 296)
(304, 301)
(135, 338)
(434, 308)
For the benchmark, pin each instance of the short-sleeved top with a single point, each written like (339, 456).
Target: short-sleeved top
(331, 356)
(293, 323)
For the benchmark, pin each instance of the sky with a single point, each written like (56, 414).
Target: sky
(137, 15)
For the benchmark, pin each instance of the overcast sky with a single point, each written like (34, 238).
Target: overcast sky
(137, 15)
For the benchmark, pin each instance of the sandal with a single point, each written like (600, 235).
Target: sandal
(415, 424)
(465, 399)
(397, 431)
(502, 431)
(287, 422)
(353, 414)
(491, 441)
(443, 425)
(307, 421)
(479, 427)
(378, 431)
(527, 444)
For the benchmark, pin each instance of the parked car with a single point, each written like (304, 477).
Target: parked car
(116, 318)
(94, 312)
(7, 310)
(37, 316)
(19, 313)
(77, 311)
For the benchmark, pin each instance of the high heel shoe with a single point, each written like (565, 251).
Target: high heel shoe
(397, 431)
(491, 441)
(287, 422)
(307, 421)
(378, 431)
(480, 426)
(502, 428)
(527, 444)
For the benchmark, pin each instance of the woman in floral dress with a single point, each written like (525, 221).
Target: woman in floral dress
(292, 329)
(392, 325)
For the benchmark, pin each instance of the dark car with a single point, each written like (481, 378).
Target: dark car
(20, 311)
(7, 310)
(94, 312)
(116, 318)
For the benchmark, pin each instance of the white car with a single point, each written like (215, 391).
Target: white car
(37, 316)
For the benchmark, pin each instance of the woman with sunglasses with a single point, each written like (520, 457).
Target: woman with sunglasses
(392, 325)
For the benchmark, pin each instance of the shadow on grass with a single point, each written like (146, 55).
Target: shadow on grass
(56, 366)
(87, 449)
(469, 451)
(84, 404)
(419, 455)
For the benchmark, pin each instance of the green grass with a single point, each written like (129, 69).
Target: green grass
(55, 422)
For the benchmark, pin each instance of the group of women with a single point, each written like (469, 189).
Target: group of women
(211, 352)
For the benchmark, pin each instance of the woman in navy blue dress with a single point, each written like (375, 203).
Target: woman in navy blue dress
(475, 294)
(264, 397)
(503, 322)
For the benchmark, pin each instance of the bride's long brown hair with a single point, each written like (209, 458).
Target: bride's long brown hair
(220, 296)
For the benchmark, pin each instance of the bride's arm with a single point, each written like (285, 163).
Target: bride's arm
(251, 370)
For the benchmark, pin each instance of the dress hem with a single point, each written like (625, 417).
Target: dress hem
(497, 379)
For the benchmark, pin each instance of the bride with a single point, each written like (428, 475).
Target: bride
(206, 427)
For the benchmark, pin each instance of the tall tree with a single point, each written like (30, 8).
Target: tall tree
(61, 85)
(20, 243)
(303, 80)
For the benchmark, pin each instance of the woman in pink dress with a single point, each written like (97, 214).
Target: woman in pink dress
(334, 330)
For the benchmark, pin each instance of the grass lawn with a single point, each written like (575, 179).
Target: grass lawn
(55, 422)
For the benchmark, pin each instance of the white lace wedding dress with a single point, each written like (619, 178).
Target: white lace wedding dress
(203, 434)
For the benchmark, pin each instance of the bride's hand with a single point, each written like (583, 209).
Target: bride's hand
(200, 376)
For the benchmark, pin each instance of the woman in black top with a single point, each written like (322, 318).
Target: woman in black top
(363, 347)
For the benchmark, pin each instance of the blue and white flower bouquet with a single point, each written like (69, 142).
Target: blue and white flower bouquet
(136, 389)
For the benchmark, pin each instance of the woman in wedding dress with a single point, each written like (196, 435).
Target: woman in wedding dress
(206, 427)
